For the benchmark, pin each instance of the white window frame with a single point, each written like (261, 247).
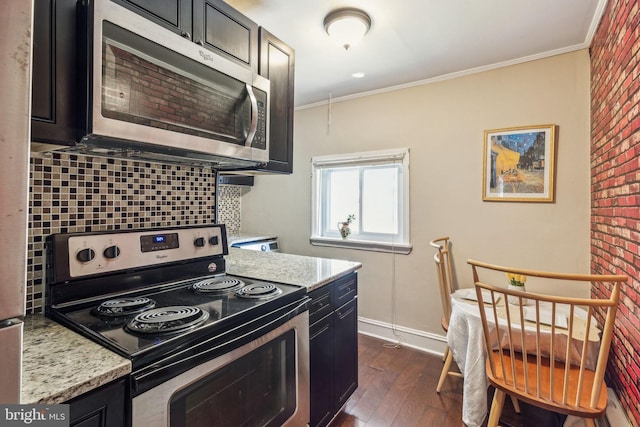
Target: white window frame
(401, 243)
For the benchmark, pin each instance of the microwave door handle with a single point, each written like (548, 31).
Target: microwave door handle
(254, 116)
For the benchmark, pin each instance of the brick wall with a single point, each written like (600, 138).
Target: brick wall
(615, 184)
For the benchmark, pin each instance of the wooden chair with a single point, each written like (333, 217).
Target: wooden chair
(556, 358)
(445, 282)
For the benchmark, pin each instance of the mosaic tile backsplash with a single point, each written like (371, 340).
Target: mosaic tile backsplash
(73, 193)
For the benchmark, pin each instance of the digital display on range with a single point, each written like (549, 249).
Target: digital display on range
(159, 242)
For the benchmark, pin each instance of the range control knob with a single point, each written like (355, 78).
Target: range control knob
(111, 252)
(213, 241)
(86, 255)
(199, 242)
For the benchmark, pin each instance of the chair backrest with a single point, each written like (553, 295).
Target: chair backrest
(445, 276)
(556, 357)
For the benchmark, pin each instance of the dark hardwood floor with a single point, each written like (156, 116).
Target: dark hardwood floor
(397, 388)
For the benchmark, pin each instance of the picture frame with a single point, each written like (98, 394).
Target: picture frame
(519, 164)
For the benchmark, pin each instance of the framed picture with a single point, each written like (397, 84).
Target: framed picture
(519, 164)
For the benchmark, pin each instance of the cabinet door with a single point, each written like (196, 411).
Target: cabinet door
(222, 29)
(321, 363)
(104, 407)
(277, 65)
(346, 352)
(53, 101)
(174, 15)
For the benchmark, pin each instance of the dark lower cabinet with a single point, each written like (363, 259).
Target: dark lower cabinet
(333, 348)
(346, 350)
(321, 360)
(103, 407)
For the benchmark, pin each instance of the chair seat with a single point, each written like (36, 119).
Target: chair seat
(545, 401)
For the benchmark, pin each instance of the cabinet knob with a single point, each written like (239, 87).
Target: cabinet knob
(200, 42)
(186, 35)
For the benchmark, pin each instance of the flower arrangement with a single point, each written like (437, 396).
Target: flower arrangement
(343, 227)
(516, 279)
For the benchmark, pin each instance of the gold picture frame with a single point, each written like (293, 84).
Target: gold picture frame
(519, 164)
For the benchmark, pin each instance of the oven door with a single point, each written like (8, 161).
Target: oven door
(264, 382)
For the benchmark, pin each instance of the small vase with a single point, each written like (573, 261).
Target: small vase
(344, 229)
(514, 299)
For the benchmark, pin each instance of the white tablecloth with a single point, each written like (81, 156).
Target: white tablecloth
(466, 341)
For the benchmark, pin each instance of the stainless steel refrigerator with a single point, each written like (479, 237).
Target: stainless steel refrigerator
(15, 122)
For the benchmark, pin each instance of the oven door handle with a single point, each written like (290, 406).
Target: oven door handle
(156, 374)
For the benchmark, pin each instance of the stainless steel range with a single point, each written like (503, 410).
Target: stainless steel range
(206, 348)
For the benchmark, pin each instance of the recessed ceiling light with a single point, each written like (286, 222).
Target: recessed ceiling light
(358, 75)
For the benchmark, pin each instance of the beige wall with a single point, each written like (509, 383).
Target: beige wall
(443, 124)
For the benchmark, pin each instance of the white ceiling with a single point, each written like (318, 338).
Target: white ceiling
(420, 40)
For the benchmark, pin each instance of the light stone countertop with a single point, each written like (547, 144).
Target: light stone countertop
(311, 272)
(58, 364)
(248, 237)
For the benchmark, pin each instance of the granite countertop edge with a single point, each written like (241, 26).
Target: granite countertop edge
(59, 364)
(52, 353)
(308, 271)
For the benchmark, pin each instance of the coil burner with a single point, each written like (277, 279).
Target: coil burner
(120, 307)
(165, 320)
(218, 285)
(259, 291)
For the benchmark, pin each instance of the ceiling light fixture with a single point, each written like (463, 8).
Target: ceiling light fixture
(347, 26)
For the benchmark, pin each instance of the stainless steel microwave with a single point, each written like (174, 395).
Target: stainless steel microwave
(154, 95)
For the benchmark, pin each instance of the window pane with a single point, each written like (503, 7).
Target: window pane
(380, 200)
(343, 197)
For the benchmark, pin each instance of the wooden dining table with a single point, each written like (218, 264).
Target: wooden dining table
(466, 341)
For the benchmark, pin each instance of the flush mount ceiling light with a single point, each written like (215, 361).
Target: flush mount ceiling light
(347, 26)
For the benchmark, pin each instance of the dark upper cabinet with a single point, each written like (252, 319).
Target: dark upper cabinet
(277, 64)
(222, 29)
(212, 24)
(53, 106)
(175, 15)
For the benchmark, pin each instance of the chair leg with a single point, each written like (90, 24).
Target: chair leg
(496, 408)
(589, 422)
(445, 371)
(446, 353)
(516, 405)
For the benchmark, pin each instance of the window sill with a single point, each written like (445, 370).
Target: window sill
(397, 248)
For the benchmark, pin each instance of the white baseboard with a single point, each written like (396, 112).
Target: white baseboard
(420, 340)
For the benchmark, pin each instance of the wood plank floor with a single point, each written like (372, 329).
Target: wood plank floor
(397, 388)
